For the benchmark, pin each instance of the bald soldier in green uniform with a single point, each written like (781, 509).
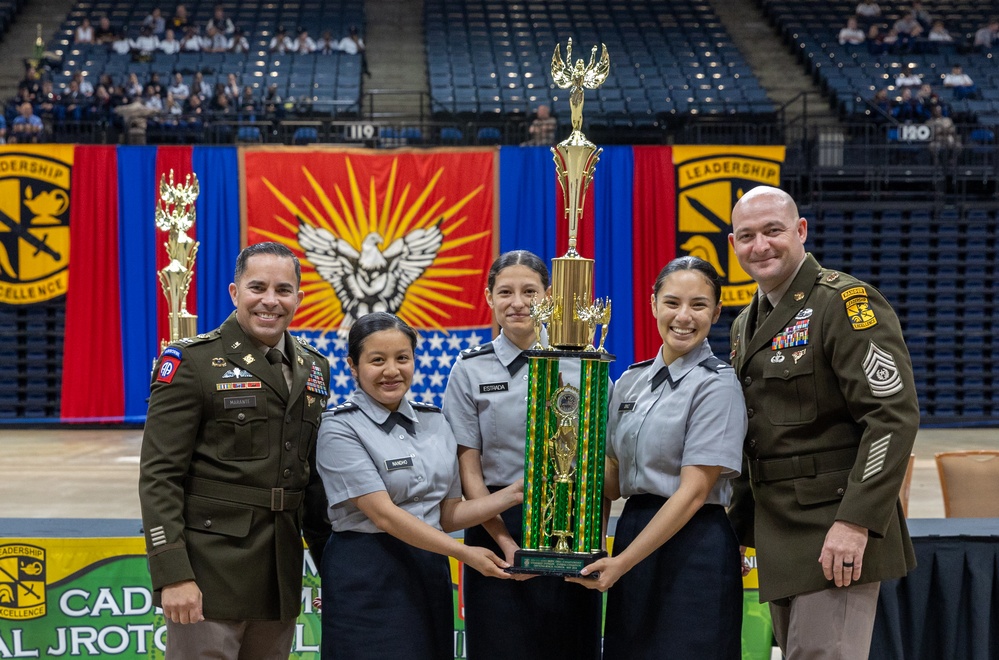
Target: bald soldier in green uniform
(832, 418)
(228, 477)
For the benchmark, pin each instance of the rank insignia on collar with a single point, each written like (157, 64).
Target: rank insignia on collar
(236, 344)
(301, 362)
(797, 355)
(799, 296)
(218, 362)
(249, 359)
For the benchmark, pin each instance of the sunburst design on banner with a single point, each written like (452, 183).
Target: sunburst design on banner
(351, 224)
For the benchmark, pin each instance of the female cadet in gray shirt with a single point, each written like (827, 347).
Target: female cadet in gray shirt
(675, 430)
(390, 470)
(543, 617)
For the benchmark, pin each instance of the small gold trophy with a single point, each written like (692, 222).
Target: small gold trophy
(175, 215)
(566, 425)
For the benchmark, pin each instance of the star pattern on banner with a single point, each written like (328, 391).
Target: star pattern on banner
(436, 352)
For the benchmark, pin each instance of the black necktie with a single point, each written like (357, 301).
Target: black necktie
(763, 309)
(517, 363)
(276, 358)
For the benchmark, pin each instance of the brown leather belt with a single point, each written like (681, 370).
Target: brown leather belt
(275, 499)
(795, 467)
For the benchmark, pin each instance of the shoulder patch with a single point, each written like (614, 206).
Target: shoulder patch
(714, 363)
(643, 363)
(483, 349)
(343, 408)
(420, 406)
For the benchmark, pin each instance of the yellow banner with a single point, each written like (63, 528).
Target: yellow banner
(709, 181)
(34, 222)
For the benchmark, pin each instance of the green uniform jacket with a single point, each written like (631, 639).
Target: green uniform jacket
(228, 475)
(832, 418)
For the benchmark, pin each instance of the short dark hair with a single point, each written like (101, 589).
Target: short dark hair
(519, 258)
(277, 249)
(371, 323)
(690, 263)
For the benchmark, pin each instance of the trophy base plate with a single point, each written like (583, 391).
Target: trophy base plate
(549, 562)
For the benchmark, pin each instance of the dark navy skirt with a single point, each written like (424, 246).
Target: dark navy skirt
(544, 617)
(682, 601)
(383, 598)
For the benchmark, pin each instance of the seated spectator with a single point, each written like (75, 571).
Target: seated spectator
(121, 44)
(232, 86)
(191, 41)
(876, 40)
(304, 44)
(84, 33)
(193, 106)
(151, 99)
(921, 15)
(945, 143)
(909, 109)
(851, 34)
(155, 22)
(214, 41)
(136, 117)
(172, 107)
(352, 44)
(145, 44)
(908, 77)
(27, 126)
(179, 89)
(156, 84)
(48, 105)
(281, 42)
(271, 102)
(30, 84)
(908, 26)
(221, 22)
(179, 20)
(86, 88)
(868, 9)
(169, 43)
(929, 99)
(104, 33)
(986, 36)
(199, 87)
(884, 106)
(939, 33)
(962, 84)
(238, 42)
(74, 101)
(542, 130)
(220, 102)
(247, 104)
(327, 44)
(132, 86)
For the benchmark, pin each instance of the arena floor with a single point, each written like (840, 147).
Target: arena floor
(67, 473)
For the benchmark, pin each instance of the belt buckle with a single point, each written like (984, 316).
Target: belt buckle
(277, 499)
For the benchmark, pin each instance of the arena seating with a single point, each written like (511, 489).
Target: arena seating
(851, 74)
(493, 57)
(8, 8)
(328, 84)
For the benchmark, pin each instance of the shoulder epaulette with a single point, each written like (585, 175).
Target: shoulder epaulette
(420, 406)
(714, 363)
(350, 406)
(200, 339)
(643, 363)
(307, 346)
(836, 279)
(483, 349)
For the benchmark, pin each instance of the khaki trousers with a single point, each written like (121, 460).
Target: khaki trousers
(230, 640)
(831, 624)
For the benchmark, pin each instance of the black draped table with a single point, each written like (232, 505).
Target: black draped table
(948, 607)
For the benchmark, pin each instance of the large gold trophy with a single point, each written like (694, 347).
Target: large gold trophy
(175, 215)
(566, 425)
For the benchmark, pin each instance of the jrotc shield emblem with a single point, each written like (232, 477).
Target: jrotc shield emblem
(22, 582)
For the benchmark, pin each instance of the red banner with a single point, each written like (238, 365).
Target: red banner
(405, 232)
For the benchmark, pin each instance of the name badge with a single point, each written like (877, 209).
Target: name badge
(626, 406)
(398, 463)
(239, 402)
(486, 388)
